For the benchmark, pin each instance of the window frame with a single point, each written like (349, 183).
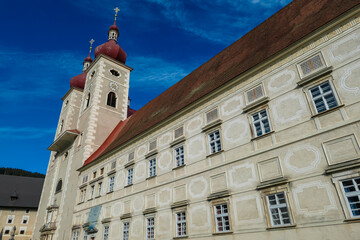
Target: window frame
(182, 222)
(217, 202)
(113, 100)
(278, 206)
(111, 183)
(217, 115)
(75, 235)
(7, 228)
(10, 217)
(273, 190)
(27, 218)
(99, 189)
(149, 227)
(350, 214)
(209, 141)
(253, 127)
(300, 71)
(152, 167)
(106, 232)
(22, 229)
(127, 223)
(176, 154)
(256, 100)
(130, 178)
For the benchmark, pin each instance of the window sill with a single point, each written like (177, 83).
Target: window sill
(90, 199)
(214, 154)
(177, 141)
(352, 220)
(262, 136)
(130, 163)
(148, 178)
(182, 237)
(178, 167)
(98, 196)
(110, 192)
(152, 153)
(111, 172)
(281, 227)
(327, 111)
(212, 125)
(313, 76)
(223, 233)
(96, 179)
(256, 104)
(343, 166)
(128, 185)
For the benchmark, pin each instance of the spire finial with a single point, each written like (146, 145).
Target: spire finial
(116, 12)
(91, 43)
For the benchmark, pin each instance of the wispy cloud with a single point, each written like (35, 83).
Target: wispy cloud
(27, 74)
(221, 21)
(25, 132)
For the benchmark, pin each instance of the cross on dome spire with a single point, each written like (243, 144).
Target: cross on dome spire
(91, 43)
(114, 30)
(88, 60)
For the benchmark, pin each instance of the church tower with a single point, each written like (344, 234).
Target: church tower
(106, 93)
(95, 103)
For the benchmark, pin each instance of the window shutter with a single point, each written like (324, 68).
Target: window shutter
(255, 93)
(131, 156)
(152, 145)
(211, 116)
(179, 132)
(312, 64)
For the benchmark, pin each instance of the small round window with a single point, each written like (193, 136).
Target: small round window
(115, 73)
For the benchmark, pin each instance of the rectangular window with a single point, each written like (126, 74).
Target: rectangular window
(7, 230)
(10, 219)
(131, 156)
(82, 195)
(255, 94)
(152, 167)
(92, 193)
(94, 174)
(278, 210)
(75, 235)
(179, 156)
(85, 235)
(312, 64)
(152, 145)
(222, 218)
(25, 220)
(212, 115)
(126, 231)
(130, 176)
(150, 224)
(214, 141)
(111, 183)
(181, 224)
(106, 232)
(113, 165)
(261, 123)
(179, 132)
(101, 171)
(22, 230)
(85, 178)
(99, 189)
(323, 97)
(351, 189)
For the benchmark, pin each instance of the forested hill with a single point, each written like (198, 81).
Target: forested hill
(20, 172)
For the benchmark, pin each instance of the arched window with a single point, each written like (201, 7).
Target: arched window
(58, 186)
(111, 100)
(87, 100)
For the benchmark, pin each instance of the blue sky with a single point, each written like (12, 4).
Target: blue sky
(43, 44)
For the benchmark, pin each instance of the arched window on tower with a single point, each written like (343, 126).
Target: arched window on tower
(111, 100)
(58, 186)
(87, 100)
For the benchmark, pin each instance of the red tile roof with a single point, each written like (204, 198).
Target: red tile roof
(289, 25)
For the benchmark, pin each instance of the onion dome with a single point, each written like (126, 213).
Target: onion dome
(111, 48)
(79, 80)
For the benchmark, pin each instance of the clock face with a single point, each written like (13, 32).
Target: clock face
(113, 86)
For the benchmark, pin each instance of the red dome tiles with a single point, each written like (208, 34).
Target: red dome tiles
(111, 49)
(78, 81)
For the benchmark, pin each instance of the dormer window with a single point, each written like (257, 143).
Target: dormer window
(111, 99)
